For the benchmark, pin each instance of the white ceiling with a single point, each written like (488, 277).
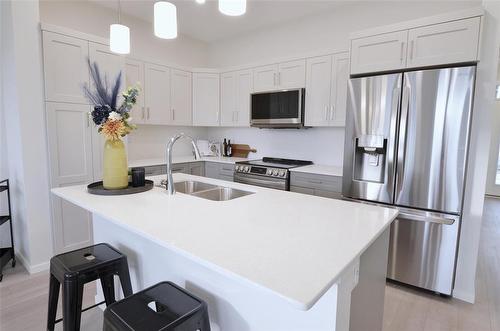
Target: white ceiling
(204, 22)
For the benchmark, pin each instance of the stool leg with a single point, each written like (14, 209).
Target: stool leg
(53, 298)
(124, 275)
(108, 288)
(72, 305)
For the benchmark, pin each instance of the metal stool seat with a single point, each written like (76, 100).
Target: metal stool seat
(164, 306)
(73, 270)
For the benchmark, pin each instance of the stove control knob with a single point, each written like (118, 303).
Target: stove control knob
(282, 173)
(237, 168)
(275, 172)
(247, 168)
(269, 172)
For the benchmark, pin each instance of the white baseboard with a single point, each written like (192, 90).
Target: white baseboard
(32, 269)
(464, 296)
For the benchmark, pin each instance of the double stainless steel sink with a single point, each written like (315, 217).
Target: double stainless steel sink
(209, 191)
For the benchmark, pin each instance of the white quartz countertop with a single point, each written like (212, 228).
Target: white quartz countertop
(319, 169)
(291, 244)
(184, 159)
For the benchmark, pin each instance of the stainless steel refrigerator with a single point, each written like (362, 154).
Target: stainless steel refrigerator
(406, 146)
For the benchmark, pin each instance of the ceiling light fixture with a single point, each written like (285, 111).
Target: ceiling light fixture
(233, 7)
(201, 2)
(165, 20)
(119, 35)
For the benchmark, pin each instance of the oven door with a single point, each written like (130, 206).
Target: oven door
(277, 109)
(276, 183)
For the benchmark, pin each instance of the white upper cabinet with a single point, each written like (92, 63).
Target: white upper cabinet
(318, 89)
(134, 74)
(228, 99)
(451, 42)
(205, 99)
(110, 64)
(326, 90)
(65, 68)
(284, 75)
(292, 74)
(181, 97)
(244, 88)
(265, 78)
(236, 88)
(456, 41)
(379, 53)
(340, 78)
(157, 91)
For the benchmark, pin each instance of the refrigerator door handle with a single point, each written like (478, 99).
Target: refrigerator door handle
(422, 218)
(403, 123)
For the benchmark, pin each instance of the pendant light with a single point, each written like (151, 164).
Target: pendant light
(119, 35)
(165, 20)
(201, 2)
(233, 7)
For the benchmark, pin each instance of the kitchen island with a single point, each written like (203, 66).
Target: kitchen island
(270, 260)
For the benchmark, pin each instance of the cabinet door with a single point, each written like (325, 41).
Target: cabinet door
(445, 43)
(182, 98)
(205, 99)
(292, 74)
(110, 64)
(211, 170)
(265, 78)
(379, 53)
(65, 68)
(197, 168)
(228, 97)
(340, 78)
(70, 153)
(318, 90)
(244, 88)
(134, 74)
(157, 94)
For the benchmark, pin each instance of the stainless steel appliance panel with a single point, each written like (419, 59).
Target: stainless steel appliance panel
(277, 109)
(370, 143)
(433, 138)
(422, 249)
(263, 181)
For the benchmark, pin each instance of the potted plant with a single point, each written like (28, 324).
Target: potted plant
(113, 122)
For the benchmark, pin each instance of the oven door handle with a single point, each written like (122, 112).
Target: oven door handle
(281, 184)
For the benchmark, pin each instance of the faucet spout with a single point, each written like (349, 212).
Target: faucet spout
(170, 145)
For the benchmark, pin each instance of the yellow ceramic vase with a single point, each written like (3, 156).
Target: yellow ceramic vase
(115, 168)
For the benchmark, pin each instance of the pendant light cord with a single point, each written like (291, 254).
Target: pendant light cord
(119, 12)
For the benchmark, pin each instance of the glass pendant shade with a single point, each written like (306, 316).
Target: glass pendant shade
(233, 7)
(119, 39)
(165, 20)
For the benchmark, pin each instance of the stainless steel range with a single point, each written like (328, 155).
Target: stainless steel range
(268, 172)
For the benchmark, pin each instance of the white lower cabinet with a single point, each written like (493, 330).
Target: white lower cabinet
(326, 90)
(206, 99)
(70, 132)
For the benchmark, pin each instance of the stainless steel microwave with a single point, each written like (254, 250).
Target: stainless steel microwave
(278, 109)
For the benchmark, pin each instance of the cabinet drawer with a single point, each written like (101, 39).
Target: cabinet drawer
(320, 182)
(155, 170)
(226, 169)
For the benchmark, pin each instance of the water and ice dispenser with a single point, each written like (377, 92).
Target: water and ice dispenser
(370, 158)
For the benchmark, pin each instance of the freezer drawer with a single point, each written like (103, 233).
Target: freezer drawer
(422, 250)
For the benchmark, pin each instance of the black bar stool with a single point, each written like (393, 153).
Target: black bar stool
(76, 268)
(164, 306)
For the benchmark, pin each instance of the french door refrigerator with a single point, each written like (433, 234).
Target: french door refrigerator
(406, 145)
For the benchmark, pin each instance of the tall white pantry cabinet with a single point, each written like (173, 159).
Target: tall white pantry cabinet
(74, 146)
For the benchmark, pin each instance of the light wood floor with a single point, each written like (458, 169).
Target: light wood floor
(23, 297)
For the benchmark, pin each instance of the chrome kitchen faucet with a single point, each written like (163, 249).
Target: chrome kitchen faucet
(197, 156)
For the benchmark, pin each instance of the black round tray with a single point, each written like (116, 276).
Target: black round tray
(97, 188)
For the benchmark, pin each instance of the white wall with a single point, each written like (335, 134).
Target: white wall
(328, 31)
(150, 141)
(93, 19)
(25, 134)
(320, 145)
